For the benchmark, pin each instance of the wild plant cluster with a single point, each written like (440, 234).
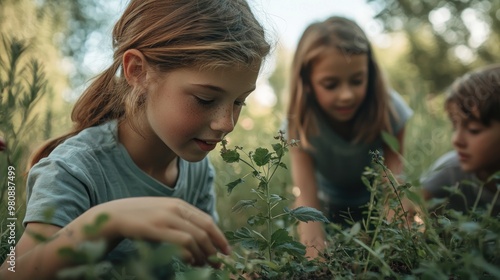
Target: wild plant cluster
(440, 244)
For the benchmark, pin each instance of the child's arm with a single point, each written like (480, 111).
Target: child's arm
(150, 218)
(392, 158)
(311, 234)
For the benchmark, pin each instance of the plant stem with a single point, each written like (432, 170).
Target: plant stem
(269, 222)
(480, 193)
(494, 201)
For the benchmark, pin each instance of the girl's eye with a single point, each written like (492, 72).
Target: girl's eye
(329, 86)
(202, 101)
(240, 103)
(357, 82)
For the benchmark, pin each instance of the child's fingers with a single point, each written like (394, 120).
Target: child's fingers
(170, 228)
(206, 223)
(189, 233)
(194, 234)
(190, 250)
(167, 220)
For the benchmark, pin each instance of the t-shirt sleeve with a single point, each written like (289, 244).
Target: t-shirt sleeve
(402, 110)
(443, 173)
(57, 193)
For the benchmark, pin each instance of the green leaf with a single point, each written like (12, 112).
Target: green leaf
(96, 227)
(233, 184)
(71, 254)
(434, 202)
(278, 148)
(470, 227)
(366, 182)
(39, 237)
(275, 198)
(306, 214)
(93, 250)
(194, 273)
(246, 238)
(257, 220)
(280, 236)
(355, 229)
(87, 252)
(293, 248)
(242, 204)
(391, 141)
(261, 156)
(230, 156)
(495, 176)
(262, 184)
(239, 234)
(413, 196)
(256, 174)
(258, 192)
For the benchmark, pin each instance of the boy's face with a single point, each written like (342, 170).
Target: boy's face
(477, 145)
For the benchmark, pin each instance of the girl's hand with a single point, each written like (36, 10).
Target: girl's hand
(159, 219)
(312, 236)
(164, 219)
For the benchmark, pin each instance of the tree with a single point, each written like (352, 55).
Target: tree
(74, 23)
(446, 38)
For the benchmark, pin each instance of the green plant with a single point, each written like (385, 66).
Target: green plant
(446, 245)
(22, 84)
(270, 241)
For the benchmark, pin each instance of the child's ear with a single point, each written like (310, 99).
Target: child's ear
(134, 67)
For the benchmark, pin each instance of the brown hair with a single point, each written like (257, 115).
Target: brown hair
(170, 34)
(477, 90)
(346, 36)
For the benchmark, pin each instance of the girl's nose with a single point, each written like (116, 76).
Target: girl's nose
(346, 93)
(223, 120)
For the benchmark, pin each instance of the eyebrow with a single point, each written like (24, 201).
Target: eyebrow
(358, 73)
(219, 89)
(330, 77)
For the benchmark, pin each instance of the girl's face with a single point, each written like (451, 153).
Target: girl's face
(477, 145)
(191, 110)
(339, 82)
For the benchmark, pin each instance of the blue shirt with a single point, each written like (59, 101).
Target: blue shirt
(446, 172)
(93, 167)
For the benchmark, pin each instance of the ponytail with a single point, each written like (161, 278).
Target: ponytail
(211, 33)
(98, 104)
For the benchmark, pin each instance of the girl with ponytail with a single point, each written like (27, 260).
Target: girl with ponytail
(137, 152)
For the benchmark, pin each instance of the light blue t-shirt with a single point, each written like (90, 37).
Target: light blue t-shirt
(93, 167)
(339, 164)
(446, 172)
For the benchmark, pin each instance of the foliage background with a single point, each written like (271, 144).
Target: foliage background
(421, 58)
